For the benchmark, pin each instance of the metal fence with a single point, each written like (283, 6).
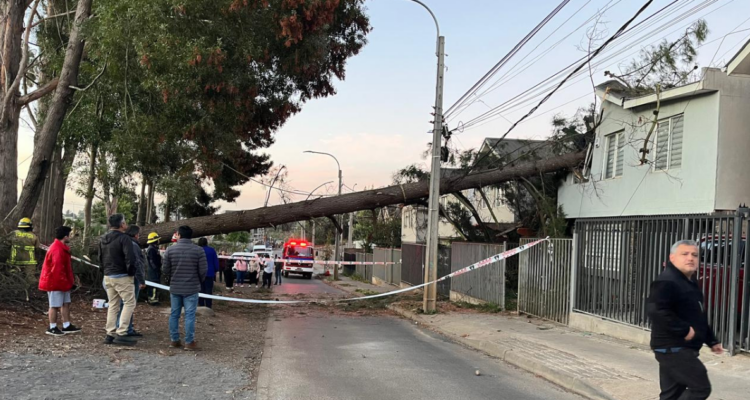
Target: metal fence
(390, 273)
(544, 279)
(487, 283)
(412, 266)
(365, 271)
(618, 258)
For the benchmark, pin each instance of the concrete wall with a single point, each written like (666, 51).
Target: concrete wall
(733, 159)
(641, 190)
(588, 323)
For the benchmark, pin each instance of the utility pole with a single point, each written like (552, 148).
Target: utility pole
(433, 221)
(339, 233)
(349, 243)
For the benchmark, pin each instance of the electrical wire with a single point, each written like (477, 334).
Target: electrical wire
(294, 191)
(505, 59)
(588, 59)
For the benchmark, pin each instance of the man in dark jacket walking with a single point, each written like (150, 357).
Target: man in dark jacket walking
(118, 262)
(679, 326)
(185, 266)
(154, 267)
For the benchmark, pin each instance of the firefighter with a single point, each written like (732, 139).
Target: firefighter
(23, 245)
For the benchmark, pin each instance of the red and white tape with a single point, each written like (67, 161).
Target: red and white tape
(476, 265)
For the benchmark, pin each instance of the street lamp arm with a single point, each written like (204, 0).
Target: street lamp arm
(437, 26)
(326, 154)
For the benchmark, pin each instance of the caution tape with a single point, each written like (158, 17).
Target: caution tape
(472, 267)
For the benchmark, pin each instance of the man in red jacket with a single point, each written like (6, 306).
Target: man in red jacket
(57, 280)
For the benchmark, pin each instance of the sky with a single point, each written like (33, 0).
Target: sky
(379, 120)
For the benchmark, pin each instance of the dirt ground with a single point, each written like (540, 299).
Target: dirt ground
(79, 366)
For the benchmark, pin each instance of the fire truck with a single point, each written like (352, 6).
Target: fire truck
(298, 256)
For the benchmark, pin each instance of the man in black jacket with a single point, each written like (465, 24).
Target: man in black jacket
(118, 262)
(679, 326)
(154, 267)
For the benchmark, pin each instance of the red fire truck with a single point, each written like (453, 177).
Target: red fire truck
(295, 251)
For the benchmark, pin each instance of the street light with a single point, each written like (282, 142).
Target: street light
(336, 253)
(313, 220)
(431, 256)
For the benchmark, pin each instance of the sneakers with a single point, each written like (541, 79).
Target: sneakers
(71, 329)
(176, 345)
(192, 346)
(135, 334)
(108, 339)
(54, 332)
(120, 340)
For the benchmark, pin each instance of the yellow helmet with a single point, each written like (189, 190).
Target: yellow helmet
(153, 237)
(24, 223)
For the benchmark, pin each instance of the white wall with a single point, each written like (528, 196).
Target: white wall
(640, 190)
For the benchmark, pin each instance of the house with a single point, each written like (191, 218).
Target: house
(697, 151)
(414, 218)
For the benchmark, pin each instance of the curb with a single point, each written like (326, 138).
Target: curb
(565, 380)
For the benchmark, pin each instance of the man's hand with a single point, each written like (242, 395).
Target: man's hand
(142, 286)
(690, 335)
(717, 349)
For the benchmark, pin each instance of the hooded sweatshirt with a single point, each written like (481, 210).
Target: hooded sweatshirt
(116, 254)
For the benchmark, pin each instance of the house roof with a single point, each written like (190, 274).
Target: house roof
(615, 92)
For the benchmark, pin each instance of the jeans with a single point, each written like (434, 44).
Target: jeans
(267, 279)
(680, 372)
(207, 287)
(278, 276)
(190, 303)
(130, 325)
(241, 277)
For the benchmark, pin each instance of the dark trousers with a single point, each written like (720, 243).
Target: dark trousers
(229, 277)
(680, 372)
(277, 274)
(267, 279)
(207, 287)
(220, 275)
(154, 275)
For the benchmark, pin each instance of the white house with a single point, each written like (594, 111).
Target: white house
(414, 218)
(698, 153)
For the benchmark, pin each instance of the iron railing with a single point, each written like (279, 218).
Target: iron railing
(412, 266)
(487, 283)
(390, 273)
(544, 277)
(618, 259)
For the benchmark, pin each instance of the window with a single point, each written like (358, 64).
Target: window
(615, 155)
(668, 143)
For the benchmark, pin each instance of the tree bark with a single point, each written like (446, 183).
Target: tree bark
(59, 104)
(474, 213)
(167, 209)
(150, 204)
(365, 200)
(11, 34)
(141, 217)
(89, 194)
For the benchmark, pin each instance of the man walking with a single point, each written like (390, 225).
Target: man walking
(185, 266)
(268, 267)
(679, 326)
(154, 267)
(212, 261)
(57, 280)
(118, 262)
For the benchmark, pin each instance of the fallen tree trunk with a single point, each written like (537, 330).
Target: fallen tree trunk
(365, 200)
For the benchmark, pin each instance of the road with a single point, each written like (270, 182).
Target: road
(352, 357)
(297, 284)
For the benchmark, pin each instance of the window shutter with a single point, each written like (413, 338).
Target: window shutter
(675, 156)
(620, 154)
(662, 145)
(610, 167)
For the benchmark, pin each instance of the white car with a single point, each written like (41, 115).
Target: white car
(253, 254)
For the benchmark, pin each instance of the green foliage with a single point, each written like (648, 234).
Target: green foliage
(491, 308)
(378, 230)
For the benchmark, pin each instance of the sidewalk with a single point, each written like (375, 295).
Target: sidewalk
(594, 366)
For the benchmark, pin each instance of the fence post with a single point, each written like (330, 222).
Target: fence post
(573, 270)
(735, 264)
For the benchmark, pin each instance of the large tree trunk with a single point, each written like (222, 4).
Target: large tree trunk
(150, 204)
(365, 200)
(58, 107)
(89, 194)
(141, 217)
(48, 214)
(167, 209)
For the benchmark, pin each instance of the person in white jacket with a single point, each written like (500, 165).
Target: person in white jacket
(254, 270)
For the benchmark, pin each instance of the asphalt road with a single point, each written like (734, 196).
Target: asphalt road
(376, 358)
(298, 284)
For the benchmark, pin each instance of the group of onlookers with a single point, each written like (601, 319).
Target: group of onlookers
(251, 270)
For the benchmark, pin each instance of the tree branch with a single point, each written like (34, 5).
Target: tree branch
(24, 56)
(96, 78)
(40, 92)
(52, 17)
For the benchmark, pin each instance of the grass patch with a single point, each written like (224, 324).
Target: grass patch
(366, 292)
(491, 308)
(359, 278)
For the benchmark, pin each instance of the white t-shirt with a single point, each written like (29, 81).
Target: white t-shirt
(269, 266)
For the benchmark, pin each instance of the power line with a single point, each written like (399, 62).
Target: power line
(295, 191)
(502, 61)
(589, 58)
